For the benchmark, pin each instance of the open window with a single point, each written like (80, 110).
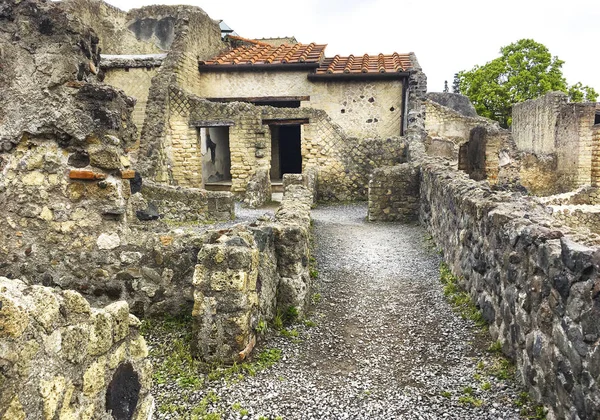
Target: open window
(286, 153)
(216, 157)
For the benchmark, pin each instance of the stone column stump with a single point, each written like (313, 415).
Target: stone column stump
(225, 298)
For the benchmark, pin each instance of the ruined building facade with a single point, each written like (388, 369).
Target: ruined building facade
(236, 116)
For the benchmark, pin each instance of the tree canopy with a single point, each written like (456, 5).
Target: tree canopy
(525, 70)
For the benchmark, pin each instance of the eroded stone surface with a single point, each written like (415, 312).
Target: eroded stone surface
(67, 376)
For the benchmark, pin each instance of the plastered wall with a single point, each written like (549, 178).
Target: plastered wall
(363, 109)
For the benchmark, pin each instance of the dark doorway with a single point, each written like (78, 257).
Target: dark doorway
(286, 152)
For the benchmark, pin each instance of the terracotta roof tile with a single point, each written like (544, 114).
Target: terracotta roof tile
(367, 64)
(261, 53)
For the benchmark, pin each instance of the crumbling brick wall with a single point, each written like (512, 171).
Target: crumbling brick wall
(62, 358)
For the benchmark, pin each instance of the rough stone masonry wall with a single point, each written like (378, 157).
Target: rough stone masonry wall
(394, 193)
(579, 216)
(189, 204)
(248, 273)
(60, 358)
(535, 281)
(134, 82)
(67, 213)
(111, 26)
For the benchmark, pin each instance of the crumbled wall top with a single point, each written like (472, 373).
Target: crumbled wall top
(454, 101)
(49, 79)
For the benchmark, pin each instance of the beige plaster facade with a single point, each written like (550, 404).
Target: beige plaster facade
(362, 108)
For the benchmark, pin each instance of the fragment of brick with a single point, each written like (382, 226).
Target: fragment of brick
(86, 175)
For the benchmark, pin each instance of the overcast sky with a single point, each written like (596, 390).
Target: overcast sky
(447, 36)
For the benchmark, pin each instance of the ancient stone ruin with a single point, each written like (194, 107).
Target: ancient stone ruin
(127, 138)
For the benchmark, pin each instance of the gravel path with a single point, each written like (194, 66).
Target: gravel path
(385, 344)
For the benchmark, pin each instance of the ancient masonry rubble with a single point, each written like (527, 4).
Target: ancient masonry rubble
(60, 358)
(250, 273)
(78, 217)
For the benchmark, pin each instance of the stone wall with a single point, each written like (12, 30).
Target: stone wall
(579, 216)
(447, 129)
(394, 193)
(63, 359)
(68, 215)
(196, 37)
(189, 204)
(534, 123)
(595, 181)
(250, 273)
(76, 227)
(344, 162)
(557, 142)
(535, 281)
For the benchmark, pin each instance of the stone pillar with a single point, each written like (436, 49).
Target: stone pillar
(225, 297)
(258, 190)
(292, 244)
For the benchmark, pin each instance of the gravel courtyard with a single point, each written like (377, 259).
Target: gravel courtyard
(382, 342)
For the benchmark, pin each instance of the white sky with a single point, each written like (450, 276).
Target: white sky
(447, 36)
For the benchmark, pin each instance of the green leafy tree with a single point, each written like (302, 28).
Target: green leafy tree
(525, 70)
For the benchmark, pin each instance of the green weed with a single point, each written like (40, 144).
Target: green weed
(459, 299)
(290, 315)
(495, 347)
(262, 327)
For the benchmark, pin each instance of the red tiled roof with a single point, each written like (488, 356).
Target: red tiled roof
(366, 64)
(262, 53)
